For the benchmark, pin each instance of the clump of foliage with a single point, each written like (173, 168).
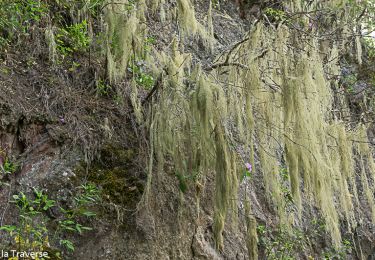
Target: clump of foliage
(87, 197)
(73, 38)
(339, 253)
(102, 88)
(317, 231)
(283, 243)
(141, 77)
(275, 15)
(285, 185)
(138, 65)
(185, 179)
(247, 173)
(349, 82)
(148, 43)
(9, 167)
(31, 233)
(35, 231)
(370, 47)
(17, 17)
(286, 243)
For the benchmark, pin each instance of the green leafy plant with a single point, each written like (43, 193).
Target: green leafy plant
(247, 173)
(339, 253)
(140, 76)
(318, 228)
(34, 228)
(182, 182)
(275, 14)
(118, 99)
(88, 195)
(9, 167)
(370, 47)
(281, 243)
(349, 82)
(94, 6)
(102, 88)
(74, 67)
(149, 41)
(31, 233)
(185, 179)
(67, 244)
(215, 4)
(285, 185)
(73, 38)
(17, 17)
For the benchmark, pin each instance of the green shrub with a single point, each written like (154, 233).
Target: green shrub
(283, 243)
(31, 233)
(9, 167)
(370, 47)
(87, 196)
(339, 253)
(16, 18)
(102, 88)
(73, 38)
(34, 231)
(141, 77)
(349, 82)
(275, 14)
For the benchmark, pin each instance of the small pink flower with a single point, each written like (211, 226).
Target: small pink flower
(248, 167)
(62, 120)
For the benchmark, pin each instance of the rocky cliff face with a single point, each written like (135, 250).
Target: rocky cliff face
(178, 130)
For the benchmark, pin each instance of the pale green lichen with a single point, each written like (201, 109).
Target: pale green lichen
(273, 97)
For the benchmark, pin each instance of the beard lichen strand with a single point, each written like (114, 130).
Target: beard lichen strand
(155, 4)
(248, 85)
(191, 131)
(210, 28)
(369, 193)
(367, 166)
(141, 9)
(291, 115)
(51, 42)
(187, 118)
(203, 105)
(137, 106)
(208, 120)
(306, 101)
(251, 231)
(152, 120)
(191, 27)
(120, 36)
(358, 47)
(345, 157)
(186, 17)
(223, 184)
(267, 104)
(162, 13)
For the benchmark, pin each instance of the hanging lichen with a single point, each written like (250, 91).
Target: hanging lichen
(186, 17)
(270, 95)
(222, 186)
(251, 233)
(358, 47)
(52, 47)
(124, 37)
(210, 28)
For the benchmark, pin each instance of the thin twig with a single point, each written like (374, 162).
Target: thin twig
(154, 88)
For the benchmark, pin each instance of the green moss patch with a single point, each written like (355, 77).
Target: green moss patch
(114, 172)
